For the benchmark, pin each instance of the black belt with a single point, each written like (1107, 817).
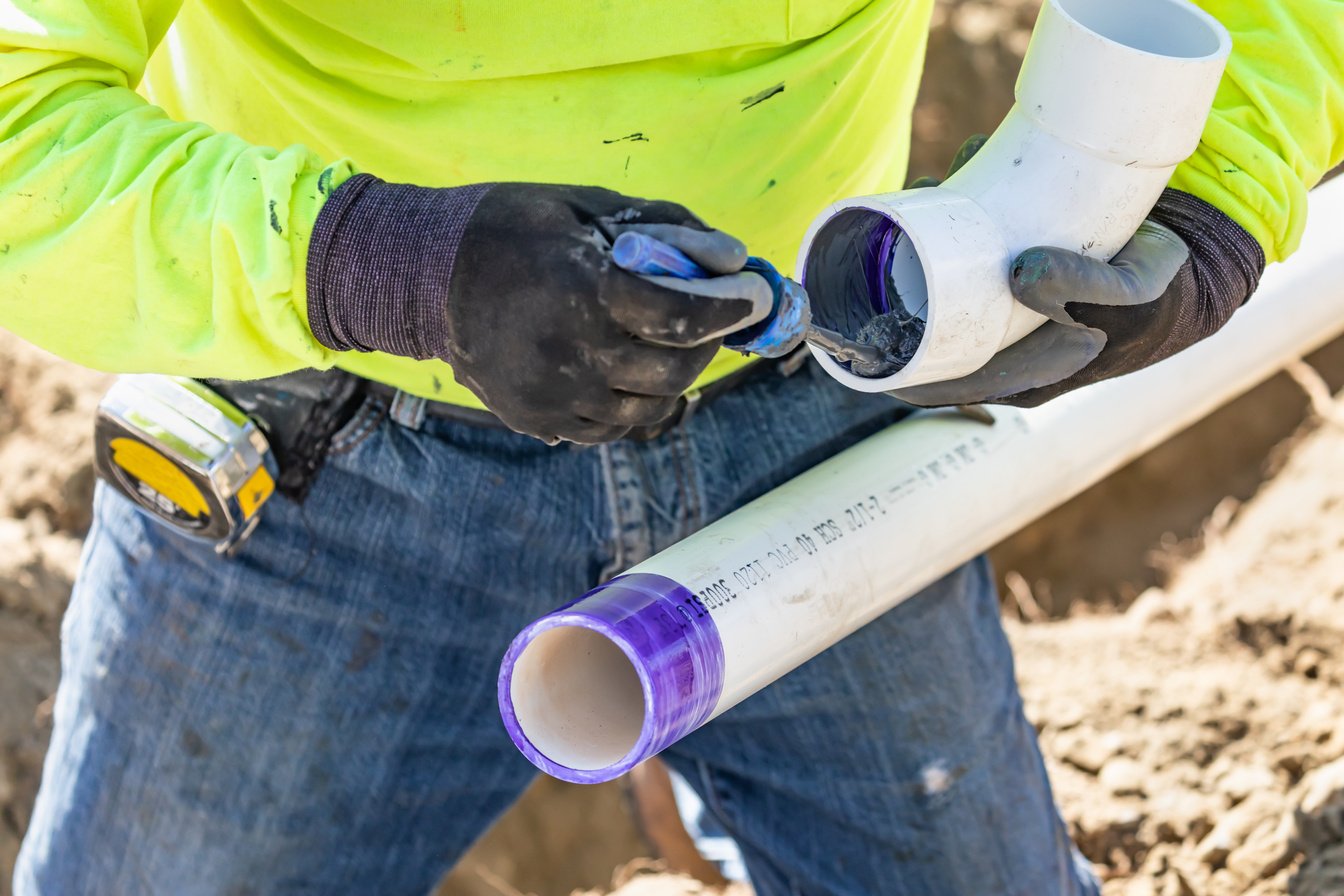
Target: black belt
(301, 412)
(685, 407)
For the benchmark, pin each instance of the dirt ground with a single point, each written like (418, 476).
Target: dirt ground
(1188, 701)
(1196, 742)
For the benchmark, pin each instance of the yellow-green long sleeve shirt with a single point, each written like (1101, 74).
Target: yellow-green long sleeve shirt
(1277, 124)
(133, 237)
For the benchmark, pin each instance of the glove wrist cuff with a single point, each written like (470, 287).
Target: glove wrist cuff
(379, 264)
(1225, 259)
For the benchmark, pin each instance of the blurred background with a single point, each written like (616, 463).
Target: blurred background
(1178, 627)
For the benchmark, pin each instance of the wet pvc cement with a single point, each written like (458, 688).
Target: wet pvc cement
(651, 671)
(849, 279)
(897, 334)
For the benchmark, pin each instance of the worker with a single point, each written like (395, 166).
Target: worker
(382, 229)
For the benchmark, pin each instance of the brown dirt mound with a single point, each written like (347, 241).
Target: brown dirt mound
(1195, 742)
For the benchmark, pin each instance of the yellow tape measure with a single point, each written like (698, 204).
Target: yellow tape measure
(185, 456)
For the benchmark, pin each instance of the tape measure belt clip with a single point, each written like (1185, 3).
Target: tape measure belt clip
(183, 457)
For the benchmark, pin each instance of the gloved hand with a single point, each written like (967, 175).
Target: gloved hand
(513, 284)
(1186, 270)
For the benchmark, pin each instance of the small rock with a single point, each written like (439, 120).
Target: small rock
(1186, 773)
(1152, 606)
(1141, 886)
(1225, 883)
(1318, 818)
(1265, 852)
(1157, 860)
(1319, 721)
(1123, 776)
(37, 568)
(1294, 760)
(1178, 814)
(1243, 780)
(1236, 825)
(1175, 884)
(1308, 662)
(1062, 715)
(1087, 751)
(1106, 830)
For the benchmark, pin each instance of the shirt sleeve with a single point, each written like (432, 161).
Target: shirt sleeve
(1278, 119)
(133, 242)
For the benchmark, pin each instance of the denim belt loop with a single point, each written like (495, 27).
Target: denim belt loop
(408, 410)
(692, 402)
(794, 361)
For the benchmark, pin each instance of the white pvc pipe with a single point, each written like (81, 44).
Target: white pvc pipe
(1111, 97)
(602, 684)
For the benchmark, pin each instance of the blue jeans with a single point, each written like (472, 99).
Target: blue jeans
(317, 715)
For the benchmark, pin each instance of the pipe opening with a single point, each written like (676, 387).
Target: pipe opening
(865, 280)
(577, 698)
(1161, 27)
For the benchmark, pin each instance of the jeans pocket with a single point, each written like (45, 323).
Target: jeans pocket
(370, 414)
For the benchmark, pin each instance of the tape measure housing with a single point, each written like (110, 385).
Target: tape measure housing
(185, 456)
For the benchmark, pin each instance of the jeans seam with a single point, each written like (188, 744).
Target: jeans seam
(365, 422)
(695, 506)
(617, 530)
(709, 794)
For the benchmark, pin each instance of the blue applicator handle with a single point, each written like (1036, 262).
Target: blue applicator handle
(640, 254)
(779, 333)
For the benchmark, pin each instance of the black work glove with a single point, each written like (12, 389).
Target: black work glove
(513, 284)
(1177, 281)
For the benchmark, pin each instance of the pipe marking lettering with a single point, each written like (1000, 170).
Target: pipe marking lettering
(821, 535)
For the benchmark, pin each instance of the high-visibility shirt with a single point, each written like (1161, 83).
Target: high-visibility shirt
(162, 163)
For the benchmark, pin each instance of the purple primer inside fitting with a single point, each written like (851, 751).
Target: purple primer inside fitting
(848, 275)
(881, 242)
(670, 640)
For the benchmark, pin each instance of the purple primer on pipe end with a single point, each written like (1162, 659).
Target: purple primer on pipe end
(670, 640)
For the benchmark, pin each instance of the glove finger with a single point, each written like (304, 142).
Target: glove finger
(561, 427)
(629, 410)
(966, 152)
(713, 250)
(1047, 279)
(963, 155)
(610, 208)
(646, 369)
(748, 286)
(1043, 357)
(661, 211)
(685, 313)
(586, 432)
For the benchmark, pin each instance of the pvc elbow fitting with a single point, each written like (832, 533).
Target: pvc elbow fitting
(1111, 97)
